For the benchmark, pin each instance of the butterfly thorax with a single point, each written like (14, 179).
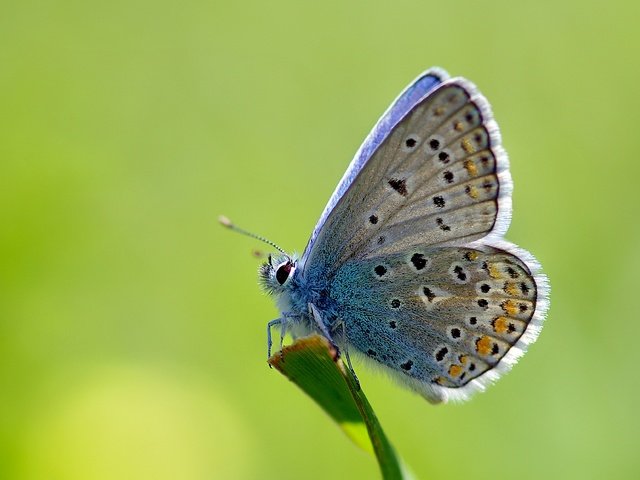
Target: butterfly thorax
(282, 278)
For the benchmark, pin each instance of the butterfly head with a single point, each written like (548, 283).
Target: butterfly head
(277, 272)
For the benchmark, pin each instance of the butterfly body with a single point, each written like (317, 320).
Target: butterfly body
(407, 265)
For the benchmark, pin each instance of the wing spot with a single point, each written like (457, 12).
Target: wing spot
(381, 239)
(455, 332)
(395, 303)
(495, 349)
(458, 126)
(471, 191)
(434, 144)
(455, 370)
(484, 288)
(512, 273)
(371, 353)
(418, 261)
(460, 273)
(500, 324)
(443, 157)
(440, 354)
(399, 185)
(509, 307)
(472, 367)
(380, 270)
(482, 303)
(411, 143)
(524, 289)
(466, 145)
(483, 345)
(510, 289)
(471, 168)
(428, 293)
(406, 365)
(473, 320)
(438, 201)
(448, 176)
(471, 256)
(373, 219)
(442, 225)
(393, 324)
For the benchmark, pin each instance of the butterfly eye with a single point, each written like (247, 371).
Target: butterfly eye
(283, 272)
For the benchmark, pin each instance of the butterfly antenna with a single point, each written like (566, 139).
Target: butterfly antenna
(225, 222)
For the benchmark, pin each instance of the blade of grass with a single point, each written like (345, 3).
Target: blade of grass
(313, 365)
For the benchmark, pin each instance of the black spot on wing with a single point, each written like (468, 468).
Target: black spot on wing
(407, 365)
(399, 185)
(418, 261)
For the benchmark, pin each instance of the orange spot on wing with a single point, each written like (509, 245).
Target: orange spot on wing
(472, 191)
(466, 145)
(463, 359)
(438, 111)
(483, 345)
(494, 271)
(500, 325)
(511, 289)
(510, 307)
(458, 126)
(471, 168)
(472, 256)
(455, 370)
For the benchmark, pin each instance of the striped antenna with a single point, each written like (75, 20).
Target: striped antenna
(225, 222)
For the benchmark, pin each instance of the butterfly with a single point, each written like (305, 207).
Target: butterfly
(407, 265)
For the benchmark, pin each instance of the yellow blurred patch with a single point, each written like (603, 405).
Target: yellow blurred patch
(471, 168)
(511, 289)
(467, 146)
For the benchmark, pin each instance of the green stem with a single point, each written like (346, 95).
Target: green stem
(313, 365)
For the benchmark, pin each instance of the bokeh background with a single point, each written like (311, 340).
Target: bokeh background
(132, 330)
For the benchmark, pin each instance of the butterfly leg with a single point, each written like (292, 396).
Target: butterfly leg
(346, 353)
(325, 331)
(315, 314)
(270, 325)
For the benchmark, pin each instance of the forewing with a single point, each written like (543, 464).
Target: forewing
(444, 320)
(414, 92)
(439, 178)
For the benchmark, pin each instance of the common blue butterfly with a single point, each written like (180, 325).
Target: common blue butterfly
(407, 265)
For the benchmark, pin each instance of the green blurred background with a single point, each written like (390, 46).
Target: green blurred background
(132, 330)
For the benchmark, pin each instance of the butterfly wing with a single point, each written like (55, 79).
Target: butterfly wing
(446, 321)
(437, 184)
(414, 92)
(440, 177)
